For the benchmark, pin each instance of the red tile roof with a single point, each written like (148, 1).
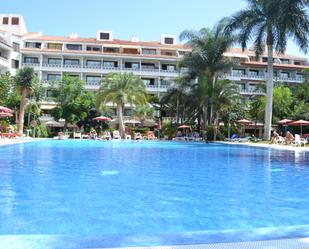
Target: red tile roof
(115, 42)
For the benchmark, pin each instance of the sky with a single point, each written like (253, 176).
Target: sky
(147, 19)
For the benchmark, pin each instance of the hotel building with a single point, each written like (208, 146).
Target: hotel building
(155, 62)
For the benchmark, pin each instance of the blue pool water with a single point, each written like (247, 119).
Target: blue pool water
(148, 193)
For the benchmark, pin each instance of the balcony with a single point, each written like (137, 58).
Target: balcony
(4, 62)
(261, 77)
(156, 88)
(33, 65)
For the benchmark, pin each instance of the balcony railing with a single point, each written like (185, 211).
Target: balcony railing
(51, 65)
(72, 65)
(27, 64)
(92, 83)
(261, 77)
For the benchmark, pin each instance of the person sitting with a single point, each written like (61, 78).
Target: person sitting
(289, 138)
(93, 134)
(275, 137)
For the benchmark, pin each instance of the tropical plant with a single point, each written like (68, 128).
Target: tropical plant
(207, 56)
(24, 81)
(120, 89)
(143, 112)
(73, 102)
(271, 22)
(176, 93)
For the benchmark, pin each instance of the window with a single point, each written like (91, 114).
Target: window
(253, 72)
(57, 46)
(54, 61)
(285, 75)
(5, 20)
(168, 40)
(110, 64)
(104, 36)
(168, 67)
(297, 63)
(148, 81)
(111, 50)
(55, 77)
(73, 47)
(93, 63)
(90, 48)
(33, 45)
(149, 51)
(284, 61)
(264, 59)
(71, 62)
(130, 51)
(15, 20)
(133, 65)
(93, 79)
(15, 64)
(32, 60)
(16, 47)
(148, 65)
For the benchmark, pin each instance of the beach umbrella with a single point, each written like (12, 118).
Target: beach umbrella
(284, 121)
(132, 122)
(5, 114)
(102, 118)
(300, 123)
(53, 123)
(184, 127)
(243, 122)
(5, 109)
(149, 123)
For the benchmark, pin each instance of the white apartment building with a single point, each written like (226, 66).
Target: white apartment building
(155, 62)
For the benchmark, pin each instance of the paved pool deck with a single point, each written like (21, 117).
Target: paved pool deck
(270, 146)
(10, 141)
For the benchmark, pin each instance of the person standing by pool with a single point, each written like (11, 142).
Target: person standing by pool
(93, 133)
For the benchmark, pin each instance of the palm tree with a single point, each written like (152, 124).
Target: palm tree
(271, 22)
(121, 89)
(24, 81)
(225, 94)
(177, 90)
(206, 58)
(143, 112)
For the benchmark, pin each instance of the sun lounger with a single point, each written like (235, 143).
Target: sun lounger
(77, 135)
(298, 141)
(106, 135)
(116, 135)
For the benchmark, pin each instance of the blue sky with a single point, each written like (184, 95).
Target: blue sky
(147, 19)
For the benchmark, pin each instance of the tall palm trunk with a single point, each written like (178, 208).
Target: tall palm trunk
(269, 91)
(24, 93)
(120, 118)
(177, 109)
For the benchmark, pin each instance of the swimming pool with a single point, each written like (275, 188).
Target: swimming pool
(107, 194)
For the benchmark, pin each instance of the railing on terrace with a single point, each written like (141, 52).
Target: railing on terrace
(4, 59)
(262, 77)
(51, 65)
(27, 64)
(92, 83)
(72, 65)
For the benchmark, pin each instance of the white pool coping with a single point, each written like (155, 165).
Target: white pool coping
(300, 243)
(269, 146)
(11, 141)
